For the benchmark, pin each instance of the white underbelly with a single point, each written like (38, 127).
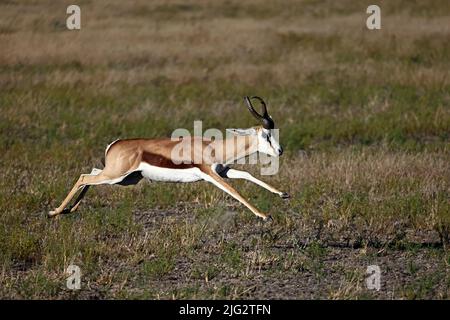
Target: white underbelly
(169, 175)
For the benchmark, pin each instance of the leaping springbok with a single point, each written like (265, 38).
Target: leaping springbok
(128, 161)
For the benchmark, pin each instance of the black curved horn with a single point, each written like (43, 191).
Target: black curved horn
(252, 110)
(265, 119)
(265, 114)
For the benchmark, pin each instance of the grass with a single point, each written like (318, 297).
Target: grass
(364, 118)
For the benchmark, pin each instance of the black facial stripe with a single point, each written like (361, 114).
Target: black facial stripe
(266, 136)
(269, 140)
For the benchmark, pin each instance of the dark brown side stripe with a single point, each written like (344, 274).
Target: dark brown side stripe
(163, 162)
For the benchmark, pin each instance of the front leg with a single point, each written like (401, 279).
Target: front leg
(227, 172)
(210, 175)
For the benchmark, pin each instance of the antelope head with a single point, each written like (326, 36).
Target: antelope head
(267, 143)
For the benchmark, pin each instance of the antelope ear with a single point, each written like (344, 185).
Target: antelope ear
(243, 132)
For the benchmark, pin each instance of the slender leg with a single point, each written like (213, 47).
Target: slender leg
(238, 174)
(211, 176)
(84, 189)
(84, 180)
(74, 207)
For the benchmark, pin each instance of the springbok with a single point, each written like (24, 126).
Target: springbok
(128, 161)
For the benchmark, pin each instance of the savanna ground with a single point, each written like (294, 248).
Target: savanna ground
(364, 118)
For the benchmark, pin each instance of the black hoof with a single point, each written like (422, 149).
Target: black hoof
(268, 219)
(285, 195)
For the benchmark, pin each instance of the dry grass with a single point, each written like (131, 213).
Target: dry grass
(364, 117)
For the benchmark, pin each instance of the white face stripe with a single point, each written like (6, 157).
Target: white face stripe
(267, 143)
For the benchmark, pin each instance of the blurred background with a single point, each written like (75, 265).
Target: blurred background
(364, 118)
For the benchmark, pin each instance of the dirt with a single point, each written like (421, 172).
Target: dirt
(337, 270)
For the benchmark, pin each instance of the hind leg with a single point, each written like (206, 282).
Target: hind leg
(82, 182)
(77, 202)
(84, 189)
